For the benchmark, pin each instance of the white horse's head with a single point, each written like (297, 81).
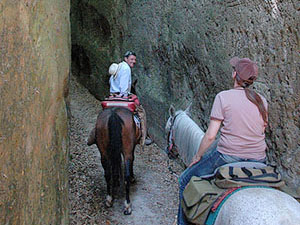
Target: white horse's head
(173, 114)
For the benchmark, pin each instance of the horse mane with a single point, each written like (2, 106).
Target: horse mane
(187, 135)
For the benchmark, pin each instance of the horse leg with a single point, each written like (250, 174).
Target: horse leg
(127, 210)
(107, 173)
(132, 179)
(115, 178)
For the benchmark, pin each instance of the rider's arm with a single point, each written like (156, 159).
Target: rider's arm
(209, 137)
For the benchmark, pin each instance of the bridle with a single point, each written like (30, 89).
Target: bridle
(171, 145)
(171, 139)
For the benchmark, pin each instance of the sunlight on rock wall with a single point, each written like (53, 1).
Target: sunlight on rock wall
(34, 69)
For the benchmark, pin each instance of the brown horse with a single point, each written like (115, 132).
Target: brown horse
(116, 134)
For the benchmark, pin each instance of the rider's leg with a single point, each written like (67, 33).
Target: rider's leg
(92, 139)
(142, 115)
(205, 166)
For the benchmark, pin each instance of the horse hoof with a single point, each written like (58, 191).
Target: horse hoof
(109, 201)
(108, 204)
(127, 212)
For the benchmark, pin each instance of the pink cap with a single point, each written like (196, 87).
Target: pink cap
(244, 67)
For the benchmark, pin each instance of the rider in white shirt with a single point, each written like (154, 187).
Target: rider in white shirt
(120, 83)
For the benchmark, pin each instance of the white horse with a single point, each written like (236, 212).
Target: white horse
(250, 206)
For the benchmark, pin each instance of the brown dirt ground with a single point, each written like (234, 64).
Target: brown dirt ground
(155, 194)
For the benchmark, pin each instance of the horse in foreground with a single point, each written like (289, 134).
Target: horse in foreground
(116, 134)
(249, 206)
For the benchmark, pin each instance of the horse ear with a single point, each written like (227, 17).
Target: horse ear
(172, 111)
(187, 110)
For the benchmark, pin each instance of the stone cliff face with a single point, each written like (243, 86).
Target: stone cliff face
(34, 68)
(183, 50)
(97, 32)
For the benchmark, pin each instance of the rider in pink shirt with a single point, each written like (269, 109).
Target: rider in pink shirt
(242, 134)
(243, 116)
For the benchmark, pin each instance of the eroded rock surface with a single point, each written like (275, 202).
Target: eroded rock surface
(34, 68)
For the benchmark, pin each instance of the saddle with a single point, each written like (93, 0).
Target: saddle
(130, 102)
(247, 174)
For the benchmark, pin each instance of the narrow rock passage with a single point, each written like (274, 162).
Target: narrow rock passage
(155, 194)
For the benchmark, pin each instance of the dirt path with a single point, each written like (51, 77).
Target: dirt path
(154, 196)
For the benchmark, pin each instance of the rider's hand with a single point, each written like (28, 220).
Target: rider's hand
(195, 159)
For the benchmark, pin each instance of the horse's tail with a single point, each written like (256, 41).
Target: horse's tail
(115, 145)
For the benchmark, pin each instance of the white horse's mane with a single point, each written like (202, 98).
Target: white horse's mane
(187, 136)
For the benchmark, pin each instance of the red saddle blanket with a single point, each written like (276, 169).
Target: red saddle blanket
(130, 102)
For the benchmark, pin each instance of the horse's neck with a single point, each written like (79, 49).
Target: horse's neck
(183, 123)
(187, 136)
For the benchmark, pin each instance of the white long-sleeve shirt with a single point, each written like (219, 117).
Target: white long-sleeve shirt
(121, 83)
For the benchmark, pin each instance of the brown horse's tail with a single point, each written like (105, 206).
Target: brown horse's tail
(115, 145)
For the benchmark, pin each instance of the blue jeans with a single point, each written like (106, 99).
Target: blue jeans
(207, 165)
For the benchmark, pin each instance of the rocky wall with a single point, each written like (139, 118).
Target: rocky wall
(34, 68)
(97, 34)
(183, 49)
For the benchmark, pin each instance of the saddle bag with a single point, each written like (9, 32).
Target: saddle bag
(198, 197)
(130, 102)
(230, 176)
(201, 194)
